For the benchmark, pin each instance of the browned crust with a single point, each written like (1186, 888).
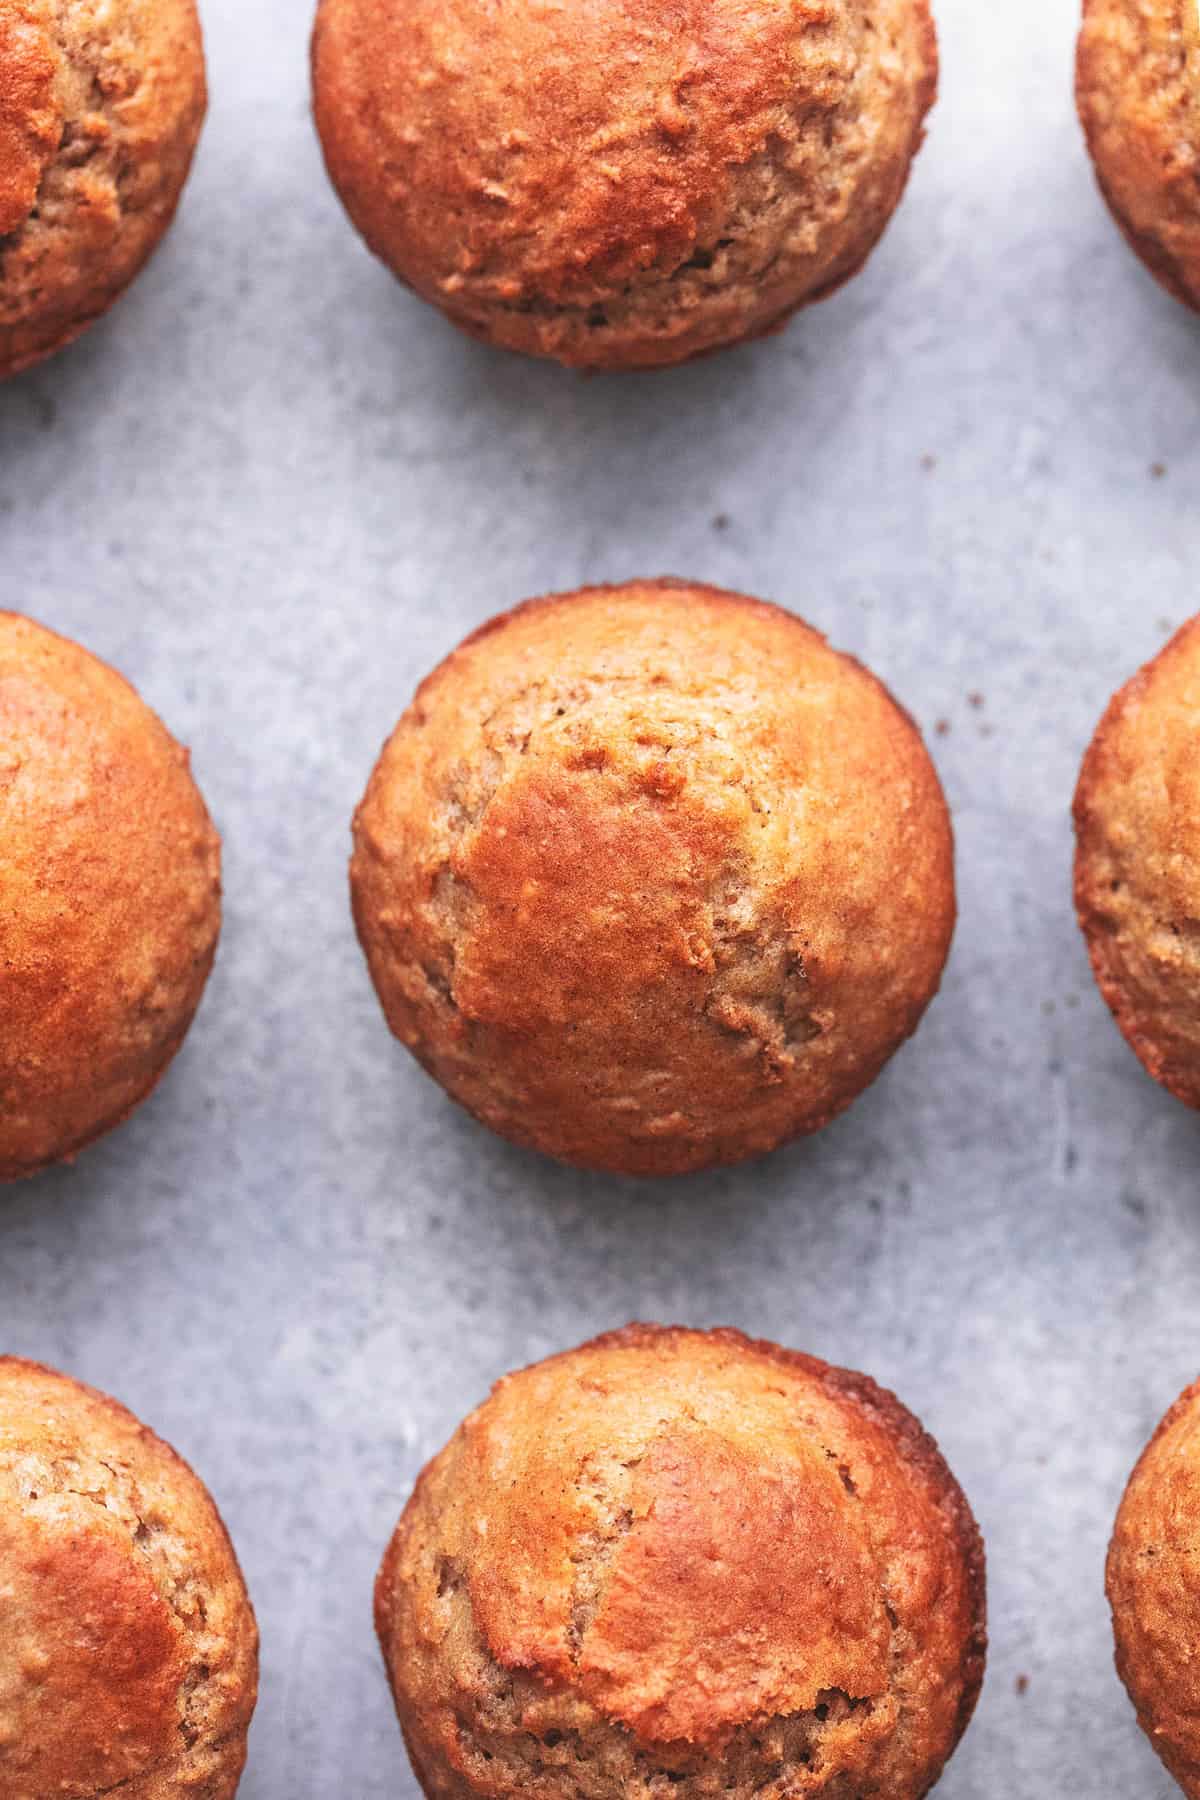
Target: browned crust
(30, 125)
(104, 1523)
(1137, 85)
(78, 1143)
(110, 887)
(1154, 1594)
(918, 1447)
(679, 584)
(665, 584)
(877, 1408)
(1138, 930)
(117, 116)
(640, 224)
(458, 932)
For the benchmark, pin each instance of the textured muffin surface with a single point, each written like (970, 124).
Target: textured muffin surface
(622, 183)
(1137, 869)
(675, 1562)
(101, 103)
(1154, 1589)
(128, 1648)
(1138, 84)
(109, 897)
(651, 878)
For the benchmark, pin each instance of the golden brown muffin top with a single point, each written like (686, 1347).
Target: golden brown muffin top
(671, 1549)
(101, 103)
(1137, 869)
(30, 114)
(652, 877)
(1154, 1589)
(128, 1649)
(1138, 85)
(621, 182)
(109, 892)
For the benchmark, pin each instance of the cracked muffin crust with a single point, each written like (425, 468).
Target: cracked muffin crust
(110, 897)
(1138, 86)
(681, 1562)
(621, 183)
(101, 103)
(128, 1648)
(651, 879)
(1137, 864)
(1154, 1590)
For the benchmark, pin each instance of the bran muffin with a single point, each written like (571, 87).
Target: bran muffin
(1137, 865)
(622, 184)
(1154, 1590)
(110, 900)
(683, 1562)
(101, 103)
(1138, 86)
(651, 879)
(128, 1648)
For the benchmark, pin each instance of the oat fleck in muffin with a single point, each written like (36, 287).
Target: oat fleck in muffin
(651, 878)
(1154, 1588)
(128, 1649)
(1138, 86)
(621, 183)
(1137, 866)
(110, 898)
(101, 103)
(679, 1562)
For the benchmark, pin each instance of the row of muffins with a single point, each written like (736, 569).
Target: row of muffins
(650, 879)
(614, 187)
(668, 1560)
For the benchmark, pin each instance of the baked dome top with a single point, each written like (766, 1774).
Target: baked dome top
(128, 1651)
(674, 1547)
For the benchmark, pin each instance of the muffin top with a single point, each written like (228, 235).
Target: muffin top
(671, 1551)
(1138, 84)
(1155, 1594)
(128, 1654)
(653, 878)
(110, 893)
(101, 103)
(615, 182)
(1137, 870)
(31, 118)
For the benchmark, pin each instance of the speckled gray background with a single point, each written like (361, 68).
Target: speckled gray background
(274, 490)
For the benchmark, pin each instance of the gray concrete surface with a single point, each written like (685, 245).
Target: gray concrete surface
(273, 489)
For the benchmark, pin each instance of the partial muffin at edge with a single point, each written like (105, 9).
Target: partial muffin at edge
(1154, 1590)
(684, 1557)
(101, 104)
(622, 186)
(129, 1654)
(1137, 865)
(1138, 90)
(110, 897)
